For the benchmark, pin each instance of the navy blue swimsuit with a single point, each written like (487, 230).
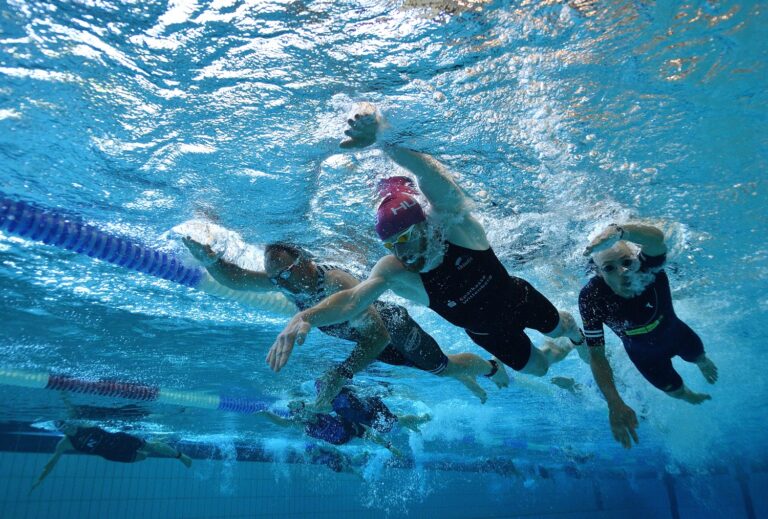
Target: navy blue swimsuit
(410, 345)
(352, 414)
(646, 324)
(472, 289)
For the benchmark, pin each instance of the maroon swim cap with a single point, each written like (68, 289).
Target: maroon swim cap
(393, 185)
(396, 213)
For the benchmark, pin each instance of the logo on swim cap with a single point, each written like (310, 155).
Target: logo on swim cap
(396, 213)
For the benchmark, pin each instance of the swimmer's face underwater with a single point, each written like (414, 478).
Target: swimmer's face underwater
(298, 409)
(410, 246)
(288, 272)
(618, 266)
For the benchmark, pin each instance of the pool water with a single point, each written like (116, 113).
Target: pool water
(556, 117)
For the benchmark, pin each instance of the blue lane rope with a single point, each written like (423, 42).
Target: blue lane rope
(52, 228)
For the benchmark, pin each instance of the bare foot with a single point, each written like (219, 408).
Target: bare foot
(696, 398)
(708, 369)
(413, 422)
(186, 460)
(566, 383)
(501, 377)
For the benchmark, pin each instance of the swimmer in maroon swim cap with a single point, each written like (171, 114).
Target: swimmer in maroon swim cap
(441, 259)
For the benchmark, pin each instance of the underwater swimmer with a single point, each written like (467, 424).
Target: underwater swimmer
(442, 260)
(384, 331)
(119, 446)
(630, 293)
(353, 417)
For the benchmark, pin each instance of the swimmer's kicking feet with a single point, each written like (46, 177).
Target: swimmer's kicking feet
(707, 368)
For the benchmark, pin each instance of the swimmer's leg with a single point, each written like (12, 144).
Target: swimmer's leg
(465, 367)
(567, 327)
(412, 421)
(422, 351)
(691, 349)
(162, 449)
(661, 373)
(537, 364)
(140, 456)
(541, 359)
(684, 393)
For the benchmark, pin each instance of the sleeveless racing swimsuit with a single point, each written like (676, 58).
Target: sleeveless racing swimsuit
(304, 301)
(470, 289)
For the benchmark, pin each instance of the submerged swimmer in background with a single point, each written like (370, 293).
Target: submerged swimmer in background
(119, 446)
(443, 261)
(631, 294)
(353, 417)
(383, 331)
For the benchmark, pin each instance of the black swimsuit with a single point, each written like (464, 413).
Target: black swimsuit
(646, 324)
(473, 290)
(410, 345)
(112, 446)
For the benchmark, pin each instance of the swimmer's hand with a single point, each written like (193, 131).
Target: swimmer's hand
(623, 424)
(604, 240)
(202, 253)
(295, 332)
(363, 121)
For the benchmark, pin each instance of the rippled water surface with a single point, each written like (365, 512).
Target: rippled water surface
(557, 117)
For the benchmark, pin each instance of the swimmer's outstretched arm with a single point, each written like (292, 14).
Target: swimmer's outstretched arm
(279, 420)
(621, 417)
(228, 274)
(63, 446)
(435, 181)
(650, 239)
(337, 308)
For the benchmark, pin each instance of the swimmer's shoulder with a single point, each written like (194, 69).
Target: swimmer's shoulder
(594, 288)
(338, 279)
(389, 268)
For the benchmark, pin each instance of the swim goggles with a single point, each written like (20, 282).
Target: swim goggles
(403, 237)
(629, 264)
(284, 274)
